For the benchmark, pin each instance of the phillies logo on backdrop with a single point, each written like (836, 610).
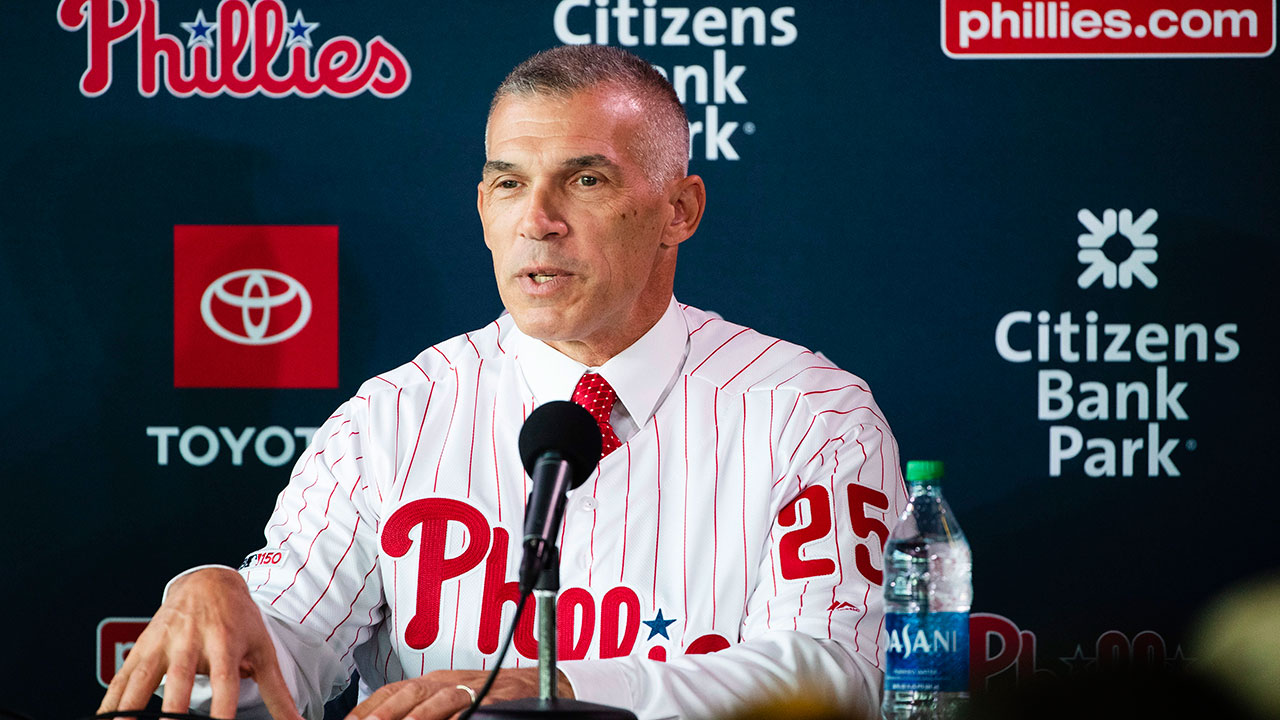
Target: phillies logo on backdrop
(255, 306)
(246, 49)
(1001, 654)
(1107, 28)
(116, 637)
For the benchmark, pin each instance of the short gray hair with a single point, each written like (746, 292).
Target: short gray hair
(563, 71)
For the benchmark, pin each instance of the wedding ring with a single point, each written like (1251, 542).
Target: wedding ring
(470, 693)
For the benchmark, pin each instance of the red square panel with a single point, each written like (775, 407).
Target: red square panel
(255, 306)
(116, 636)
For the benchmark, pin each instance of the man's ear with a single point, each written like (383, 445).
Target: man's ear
(689, 199)
(480, 208)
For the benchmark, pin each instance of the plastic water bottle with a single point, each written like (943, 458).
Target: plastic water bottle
(928, 589)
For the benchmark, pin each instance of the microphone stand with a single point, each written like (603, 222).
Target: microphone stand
(547, 704)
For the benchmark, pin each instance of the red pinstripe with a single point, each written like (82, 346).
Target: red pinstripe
(753, 360)
(595, 516)
(305, 464)
(395, 456)
(837, 389)
(772, 470)
(745, 571)
(626, 510)
(715, 505)
(862, 614)
(334, 574)
(441, 354)
(424, 372)
(684, 555)
(824, 447)
(298, 572)
(457, 606)
(802, 439)
(457, 388)
(416, 442)
(835, 456)
(524, 477)
(657, 531)
(473, 345)
(379, 377)
(773, 571)
(475, 411)
(351, 608)
(493, 441)
(794, 406)
(795, 619)
(356, 639)
(879, 630)
(286, 522)
(497, 336)
(713, 352)
(704, 324)
(395, 616)
(803, 370)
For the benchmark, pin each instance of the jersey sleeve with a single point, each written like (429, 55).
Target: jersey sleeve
(814, 618)
(316, 579)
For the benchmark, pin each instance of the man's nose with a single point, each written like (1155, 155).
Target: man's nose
(543, 218)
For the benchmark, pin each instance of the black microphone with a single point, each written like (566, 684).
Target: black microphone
(560, 447)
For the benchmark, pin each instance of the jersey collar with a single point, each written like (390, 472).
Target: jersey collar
(642, 374)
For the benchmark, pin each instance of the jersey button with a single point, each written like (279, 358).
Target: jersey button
(590, 504)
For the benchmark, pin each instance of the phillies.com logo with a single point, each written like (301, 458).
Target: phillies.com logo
(248, 48)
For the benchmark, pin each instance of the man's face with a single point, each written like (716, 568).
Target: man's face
(583, 244)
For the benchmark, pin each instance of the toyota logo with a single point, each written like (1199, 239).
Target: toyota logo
(255, 295)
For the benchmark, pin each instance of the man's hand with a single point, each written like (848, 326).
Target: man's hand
(436, 695)
(208, 625)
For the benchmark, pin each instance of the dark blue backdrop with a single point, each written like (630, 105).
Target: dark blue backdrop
(888, 206)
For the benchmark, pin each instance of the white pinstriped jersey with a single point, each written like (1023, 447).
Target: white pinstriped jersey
(745, 519)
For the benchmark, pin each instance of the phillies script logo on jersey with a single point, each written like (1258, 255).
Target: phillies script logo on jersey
(424, 525)
(255, 306)
(246, 49)
(1107, 28)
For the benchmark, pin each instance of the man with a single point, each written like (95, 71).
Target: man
(727, 546)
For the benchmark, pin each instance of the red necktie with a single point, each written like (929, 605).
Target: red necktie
(596, 395)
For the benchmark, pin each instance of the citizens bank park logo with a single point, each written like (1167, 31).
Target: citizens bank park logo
(1107, 28)
(245, 49)
(1077, 360)
(718, 86)
(255, 306)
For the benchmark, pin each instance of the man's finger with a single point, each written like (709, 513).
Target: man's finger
(407, 696)
(141, 684)
(275, 692)
(111, 700)
(177, 683)
(447, 702)
(367, 707)
(224, 681)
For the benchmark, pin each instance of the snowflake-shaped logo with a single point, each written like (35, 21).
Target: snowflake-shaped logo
(1117, 228)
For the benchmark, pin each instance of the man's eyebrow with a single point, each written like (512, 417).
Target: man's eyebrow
(497, 166)
(588, 161)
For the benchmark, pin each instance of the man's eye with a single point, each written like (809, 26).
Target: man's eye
(588, 180)
(508, 184)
